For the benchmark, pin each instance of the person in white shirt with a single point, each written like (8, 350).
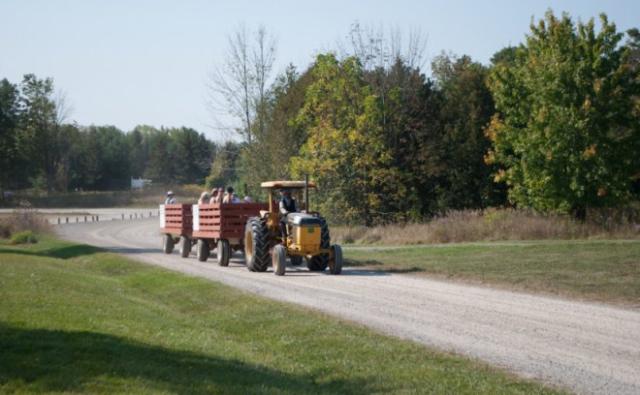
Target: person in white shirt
(170, 198)
(215, 196)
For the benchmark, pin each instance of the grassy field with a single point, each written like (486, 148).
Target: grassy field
(75, 319)
(594, 270)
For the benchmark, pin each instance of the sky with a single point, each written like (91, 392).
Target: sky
(127, 63)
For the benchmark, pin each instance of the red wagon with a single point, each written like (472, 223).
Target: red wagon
(176, 225)
(220, 227)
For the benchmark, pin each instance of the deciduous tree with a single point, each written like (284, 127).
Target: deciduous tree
(567, 135)
(238, 86)
(345, 152)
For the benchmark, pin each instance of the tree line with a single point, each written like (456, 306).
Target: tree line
(39, 150)
(552, 124)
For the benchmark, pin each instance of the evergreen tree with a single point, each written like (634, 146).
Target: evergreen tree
(39, 128)
(224, 166)
(10, 158)
(464, 180)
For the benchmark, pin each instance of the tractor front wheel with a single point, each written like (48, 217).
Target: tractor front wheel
(202, 250)
(279, 260)
(167, 244)
(335, 260)
(224, 252)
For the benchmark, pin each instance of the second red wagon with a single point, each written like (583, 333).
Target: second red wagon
(220, 227)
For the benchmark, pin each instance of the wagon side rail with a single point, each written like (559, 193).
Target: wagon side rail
(176, 219)
(223, 220)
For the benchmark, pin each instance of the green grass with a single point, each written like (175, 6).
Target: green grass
(76, 319)
(594, 270)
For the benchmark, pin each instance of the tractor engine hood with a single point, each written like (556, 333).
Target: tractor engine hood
(302, 219)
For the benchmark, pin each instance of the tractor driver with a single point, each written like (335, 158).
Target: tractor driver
(287, 206)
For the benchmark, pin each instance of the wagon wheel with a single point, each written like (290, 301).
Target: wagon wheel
(184, 246)
(202, 250)
(223, 252)
(167, 244)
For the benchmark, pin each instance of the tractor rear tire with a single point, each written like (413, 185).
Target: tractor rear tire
(256, 245)
(202, 250)
(296, 260)
(279, 260)
(184, 246)
(318, 263)
(335, 261)
(167, 244)
(223, 252)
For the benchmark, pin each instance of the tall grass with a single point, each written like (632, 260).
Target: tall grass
(23, 219)
(490, 225)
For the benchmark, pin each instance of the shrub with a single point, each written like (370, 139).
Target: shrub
(21, 219)
(5, 230)
(23, 237)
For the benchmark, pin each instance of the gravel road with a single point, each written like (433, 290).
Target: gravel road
(584, 347)
(81, 215)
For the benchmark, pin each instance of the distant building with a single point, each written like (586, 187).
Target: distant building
(139, 183)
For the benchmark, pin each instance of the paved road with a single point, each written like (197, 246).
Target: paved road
(587, 348)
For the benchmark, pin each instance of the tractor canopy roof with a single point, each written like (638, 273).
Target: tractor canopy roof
(286, 184)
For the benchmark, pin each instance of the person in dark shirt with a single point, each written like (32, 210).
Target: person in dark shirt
(230, 196)
(287, 206)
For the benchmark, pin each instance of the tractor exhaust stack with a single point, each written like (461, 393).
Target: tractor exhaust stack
(306, 192)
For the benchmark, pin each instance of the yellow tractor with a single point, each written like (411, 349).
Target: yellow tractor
(307, 235)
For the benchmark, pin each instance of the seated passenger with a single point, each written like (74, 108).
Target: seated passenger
(214, 196)
(204, 198)
(230, 197)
